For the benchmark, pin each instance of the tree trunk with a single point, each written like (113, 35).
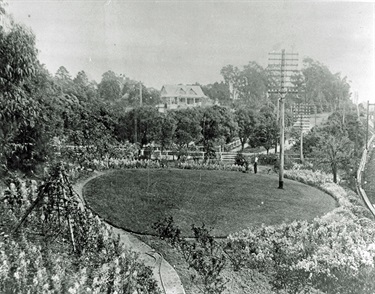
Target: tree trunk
(334, 172)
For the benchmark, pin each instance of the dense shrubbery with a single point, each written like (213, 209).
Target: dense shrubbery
(119, 160)
(334, 257)
(59, 246)
(308, 176)
(211, 166)
(333, 254)
(203, 254)
(268, 159)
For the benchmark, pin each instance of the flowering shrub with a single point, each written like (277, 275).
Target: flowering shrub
(60, 247)
(334, 257)
(309, 177)
(84, 155)
(305, 166)
(113, 163)
(211, 166)
(334, 254)
(31, 268)
(204, 254)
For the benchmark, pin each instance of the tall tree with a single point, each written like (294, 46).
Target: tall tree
(81, 79)
(253, 84)
(334, 151)
(218, 127)
(188, 127)
(231, 75)
(64, 81)
(323, 88)
(139, 125)
(166, 130)
(266, 130)
(218, 92)
(109, 87)
(18, 62)
(247, 121)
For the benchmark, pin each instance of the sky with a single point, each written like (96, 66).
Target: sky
(175, 41)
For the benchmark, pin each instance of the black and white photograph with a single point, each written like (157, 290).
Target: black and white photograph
(187, 147)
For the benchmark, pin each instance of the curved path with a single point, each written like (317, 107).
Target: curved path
(164, 274)
(365, 182)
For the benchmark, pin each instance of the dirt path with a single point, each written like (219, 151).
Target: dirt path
(165, 275)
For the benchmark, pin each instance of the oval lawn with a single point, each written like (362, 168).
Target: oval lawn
(225, 201)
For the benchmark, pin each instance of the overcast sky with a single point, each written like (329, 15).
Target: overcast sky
(170, 42)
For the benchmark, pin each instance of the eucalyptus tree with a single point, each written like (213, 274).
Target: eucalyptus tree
(18, 64)
(188, 128)
(266, 130)
(218, 127)
(247, 120)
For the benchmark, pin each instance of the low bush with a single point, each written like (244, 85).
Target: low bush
(49, 243)
(211, 166)
(268, 159)
(202, 254)
(333, 254)
(310, 177)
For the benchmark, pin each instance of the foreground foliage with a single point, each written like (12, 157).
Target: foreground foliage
(332, 254)
(59, 246)
(203, 254)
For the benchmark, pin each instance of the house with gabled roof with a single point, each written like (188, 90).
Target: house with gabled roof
(181, 96)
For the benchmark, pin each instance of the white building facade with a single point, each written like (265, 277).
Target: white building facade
(181, 96)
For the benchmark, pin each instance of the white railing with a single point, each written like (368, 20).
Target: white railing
(234, 144)
(170, 155)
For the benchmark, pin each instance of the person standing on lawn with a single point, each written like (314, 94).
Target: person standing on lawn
(256, 164)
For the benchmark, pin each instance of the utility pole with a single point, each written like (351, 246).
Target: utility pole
(368, 106)
(315, 113)
(135, 114)
(279, 68)
(300, 111)
(301, 138)
(278, 123)
(135, 126)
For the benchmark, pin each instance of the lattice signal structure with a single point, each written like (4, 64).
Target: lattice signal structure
(301, 115)
(302, 108)
(281, 66)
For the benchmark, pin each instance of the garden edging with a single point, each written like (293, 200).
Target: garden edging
(165, 275)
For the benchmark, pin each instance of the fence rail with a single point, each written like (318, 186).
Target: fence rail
(360, 172)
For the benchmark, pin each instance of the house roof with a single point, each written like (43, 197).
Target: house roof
(182, 91)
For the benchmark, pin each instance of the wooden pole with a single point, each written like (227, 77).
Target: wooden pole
(301, 139)
(281, 168)
(368, 106)
(135, 126)
(278, 123)
(282, 96)
(315, 113)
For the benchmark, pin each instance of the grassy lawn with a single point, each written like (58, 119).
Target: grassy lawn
(225, 201)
